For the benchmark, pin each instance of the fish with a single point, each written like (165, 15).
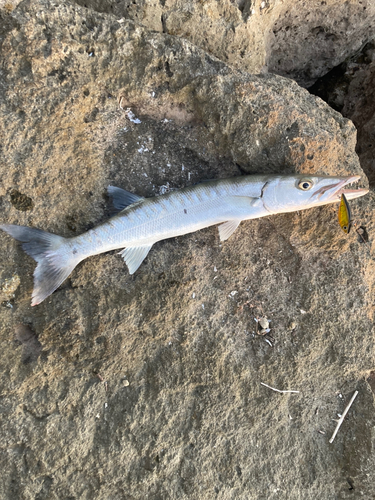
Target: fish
(344, 214)
(140, 222)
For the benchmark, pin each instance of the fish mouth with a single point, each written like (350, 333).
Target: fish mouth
(350, 194)
(332, 193)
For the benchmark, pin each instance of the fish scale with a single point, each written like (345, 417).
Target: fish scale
(139, 225)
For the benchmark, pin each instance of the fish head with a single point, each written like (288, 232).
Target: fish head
(299, 192)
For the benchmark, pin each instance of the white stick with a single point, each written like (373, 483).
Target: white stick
(343, 416)
(277, 390)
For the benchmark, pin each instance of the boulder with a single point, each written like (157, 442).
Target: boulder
(349, 88)
(149, 386)
(300, 40)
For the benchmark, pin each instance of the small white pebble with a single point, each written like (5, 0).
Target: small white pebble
(105, 405)
(202, 306)
(264, 323)
(215, 270)
(302, 311)
(126, 383)
(130, 115)
(193, 295)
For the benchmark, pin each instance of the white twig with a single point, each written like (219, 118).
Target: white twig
(343, 416)
(277, 390)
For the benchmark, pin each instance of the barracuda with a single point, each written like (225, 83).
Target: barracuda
(141, 222)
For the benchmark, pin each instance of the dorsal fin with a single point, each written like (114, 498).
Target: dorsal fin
(121, 198)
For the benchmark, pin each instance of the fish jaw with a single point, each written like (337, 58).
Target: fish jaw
(332, 192)
(284, 194)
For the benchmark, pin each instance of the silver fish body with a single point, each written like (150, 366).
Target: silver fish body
(176, 213)
(144, 221)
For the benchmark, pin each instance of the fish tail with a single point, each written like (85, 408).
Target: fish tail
(53, 255)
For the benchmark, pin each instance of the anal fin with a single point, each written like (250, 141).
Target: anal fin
(227, 229)
(134, 256)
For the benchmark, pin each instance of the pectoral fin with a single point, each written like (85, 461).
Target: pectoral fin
(238, 208)
(121, 198)
(245, 201)
(134, 256)
(227, 229)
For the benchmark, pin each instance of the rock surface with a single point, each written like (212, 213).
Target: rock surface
(148, 386)
(301, 40)
(349, 88)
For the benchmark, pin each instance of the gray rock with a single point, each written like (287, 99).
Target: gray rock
(310, 38)
(349, 88)
(301, 40)
(359, 105)
(193, 420)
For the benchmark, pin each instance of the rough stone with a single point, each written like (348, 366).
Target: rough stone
(193, 420)
(301, 40)
(349, 88)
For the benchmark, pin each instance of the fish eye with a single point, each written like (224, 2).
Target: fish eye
(305, 184)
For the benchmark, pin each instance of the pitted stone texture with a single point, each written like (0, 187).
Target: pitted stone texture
(148, 386)
(300, 40)
(349, 88)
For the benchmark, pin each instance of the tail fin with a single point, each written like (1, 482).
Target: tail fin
(55, 259)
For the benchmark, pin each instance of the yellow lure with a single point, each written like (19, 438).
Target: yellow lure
(345, 220)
